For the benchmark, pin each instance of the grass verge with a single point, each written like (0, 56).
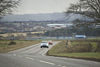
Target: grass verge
(60, 50)
(5, 47)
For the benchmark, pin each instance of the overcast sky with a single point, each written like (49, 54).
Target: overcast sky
(43, 6)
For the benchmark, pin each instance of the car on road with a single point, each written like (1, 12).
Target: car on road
(44, 44)
(50, 42)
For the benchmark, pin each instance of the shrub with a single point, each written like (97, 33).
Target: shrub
(80, 48)
(98, 47)
(12, 43)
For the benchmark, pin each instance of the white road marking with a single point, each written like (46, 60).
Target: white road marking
(43, 53)
(29, 58)
(47, 62)
(59, 65)
(14, 54)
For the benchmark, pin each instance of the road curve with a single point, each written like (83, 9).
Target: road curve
(34, 56)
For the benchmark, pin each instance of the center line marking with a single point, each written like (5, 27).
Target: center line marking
(29, 58)
(47, 62)
(59, 65)
(14, 54)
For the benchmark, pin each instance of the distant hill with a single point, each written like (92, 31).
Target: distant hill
(46, 17)
(72, 17)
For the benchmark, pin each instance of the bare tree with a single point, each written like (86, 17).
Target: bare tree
(89, 8)
(6, 6)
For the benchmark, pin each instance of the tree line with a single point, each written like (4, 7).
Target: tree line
(66, 32)
(7, 6)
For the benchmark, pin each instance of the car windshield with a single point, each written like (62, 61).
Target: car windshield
(44, 42)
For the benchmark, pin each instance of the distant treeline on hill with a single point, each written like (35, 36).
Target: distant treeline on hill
(73, 31)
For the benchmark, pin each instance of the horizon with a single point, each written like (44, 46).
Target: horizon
(37, 13)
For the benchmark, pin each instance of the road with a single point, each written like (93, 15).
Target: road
(34, 56)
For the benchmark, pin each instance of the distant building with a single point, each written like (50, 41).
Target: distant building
(39, 28)
(80, 36)
(57, 26)
(69, 25)
(97, 26)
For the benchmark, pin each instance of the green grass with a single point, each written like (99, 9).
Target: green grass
(94, 44)
(5, 47)
(97, 38)
(89, 55)
(61, 50)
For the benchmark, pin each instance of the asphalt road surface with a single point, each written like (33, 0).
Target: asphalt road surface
(34, 56)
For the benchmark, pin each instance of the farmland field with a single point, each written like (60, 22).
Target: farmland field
(7, 45)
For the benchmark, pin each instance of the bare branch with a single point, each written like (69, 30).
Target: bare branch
(6, 6)
(89, 8)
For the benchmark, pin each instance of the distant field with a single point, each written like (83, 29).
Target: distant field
(7, 45)
(13, 34)
(84, 49)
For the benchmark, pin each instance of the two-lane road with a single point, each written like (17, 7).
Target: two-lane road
(34, 56)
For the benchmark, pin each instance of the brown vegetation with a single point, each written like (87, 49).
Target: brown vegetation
(7, 45)
(84, 46)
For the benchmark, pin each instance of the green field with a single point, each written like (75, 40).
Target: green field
(84, 49)
(7, 45)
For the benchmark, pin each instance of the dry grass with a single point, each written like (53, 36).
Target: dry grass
(5, 47)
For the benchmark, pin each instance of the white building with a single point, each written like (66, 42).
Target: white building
(97, 26)
(57, 26)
